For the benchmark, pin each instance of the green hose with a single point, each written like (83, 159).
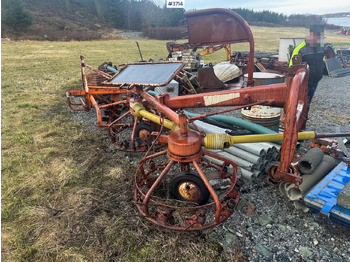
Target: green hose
(152, 93)
(255, 128)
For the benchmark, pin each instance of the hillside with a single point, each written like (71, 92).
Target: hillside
(86, 19)
(60, 20)
(65, 20)
(62, 15)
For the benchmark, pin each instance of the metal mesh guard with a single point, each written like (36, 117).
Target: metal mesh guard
(152, 74)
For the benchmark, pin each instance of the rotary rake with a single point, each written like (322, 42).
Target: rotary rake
(173, 187)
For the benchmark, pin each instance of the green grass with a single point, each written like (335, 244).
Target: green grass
(64, 197)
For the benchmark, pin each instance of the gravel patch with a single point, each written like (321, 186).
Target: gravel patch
(275, 230)
(330, 106)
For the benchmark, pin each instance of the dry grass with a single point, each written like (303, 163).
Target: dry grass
(64, 197)
(267, 39)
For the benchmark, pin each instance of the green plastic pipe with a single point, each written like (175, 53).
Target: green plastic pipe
(257, 129)
(111, 69)
(152, 93)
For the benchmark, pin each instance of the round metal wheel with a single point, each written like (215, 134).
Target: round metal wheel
(143, 133)
(188, 186)
(329, 53)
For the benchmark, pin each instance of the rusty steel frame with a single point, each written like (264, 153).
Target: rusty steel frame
(218, 26)
(184, 146)
(91, 96)
(115, 125)
(222, 207)
(90, 99)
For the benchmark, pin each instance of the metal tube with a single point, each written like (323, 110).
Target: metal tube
(251, 149)
(245, 155)
(310, 160)
(269, 137)
(269, 157)
(239, 161)
(246, 174)
(154, 186)
(258, 129)
(140, 111)
(327, 164)
(275, 156)
(297, 92)
(98, 111)
(265, 146)
(276, 94)
(300, 206)
(208, 128)
(211, 190)
(257, 173)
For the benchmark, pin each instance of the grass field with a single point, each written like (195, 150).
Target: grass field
(64, 197)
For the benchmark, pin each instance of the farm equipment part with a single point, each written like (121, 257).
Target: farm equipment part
(173, 187)
(95, 94)
(127, 132)
(187, 159)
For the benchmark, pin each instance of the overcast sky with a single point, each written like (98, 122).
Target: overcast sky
(286, 7)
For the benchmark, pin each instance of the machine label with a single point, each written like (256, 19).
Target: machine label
(175, 4)
(215, 99)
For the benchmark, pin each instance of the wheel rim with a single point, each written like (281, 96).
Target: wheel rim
(144, 135)
(189, 191)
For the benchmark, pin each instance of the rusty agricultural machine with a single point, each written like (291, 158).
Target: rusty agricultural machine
(172, 185)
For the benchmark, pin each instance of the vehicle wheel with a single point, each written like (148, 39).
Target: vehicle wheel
(143, 133)
(329, 53)
(188, 186)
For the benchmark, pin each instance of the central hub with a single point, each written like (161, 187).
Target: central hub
(184, 148)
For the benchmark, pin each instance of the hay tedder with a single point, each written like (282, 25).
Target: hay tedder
(173, 186)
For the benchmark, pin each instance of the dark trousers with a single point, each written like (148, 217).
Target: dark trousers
(311, 89)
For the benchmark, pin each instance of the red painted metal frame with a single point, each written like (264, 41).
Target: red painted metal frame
(291, 95)
(105, 97)
(296, 110)
(219, 26)
(183, 144)
(222, 207)
(90, 99)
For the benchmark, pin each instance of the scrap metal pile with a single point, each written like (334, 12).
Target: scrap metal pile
(139, 106)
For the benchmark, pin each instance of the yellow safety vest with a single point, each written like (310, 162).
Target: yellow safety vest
(296, 51)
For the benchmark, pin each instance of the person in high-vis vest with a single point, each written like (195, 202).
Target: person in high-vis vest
(312, 52)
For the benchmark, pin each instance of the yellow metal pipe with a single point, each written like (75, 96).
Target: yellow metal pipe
(217, 141)
(140, 111)
(221, 141)
(268, 137)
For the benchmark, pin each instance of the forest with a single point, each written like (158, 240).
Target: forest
(84, 19)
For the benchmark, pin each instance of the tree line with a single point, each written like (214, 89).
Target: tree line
(19, 15)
